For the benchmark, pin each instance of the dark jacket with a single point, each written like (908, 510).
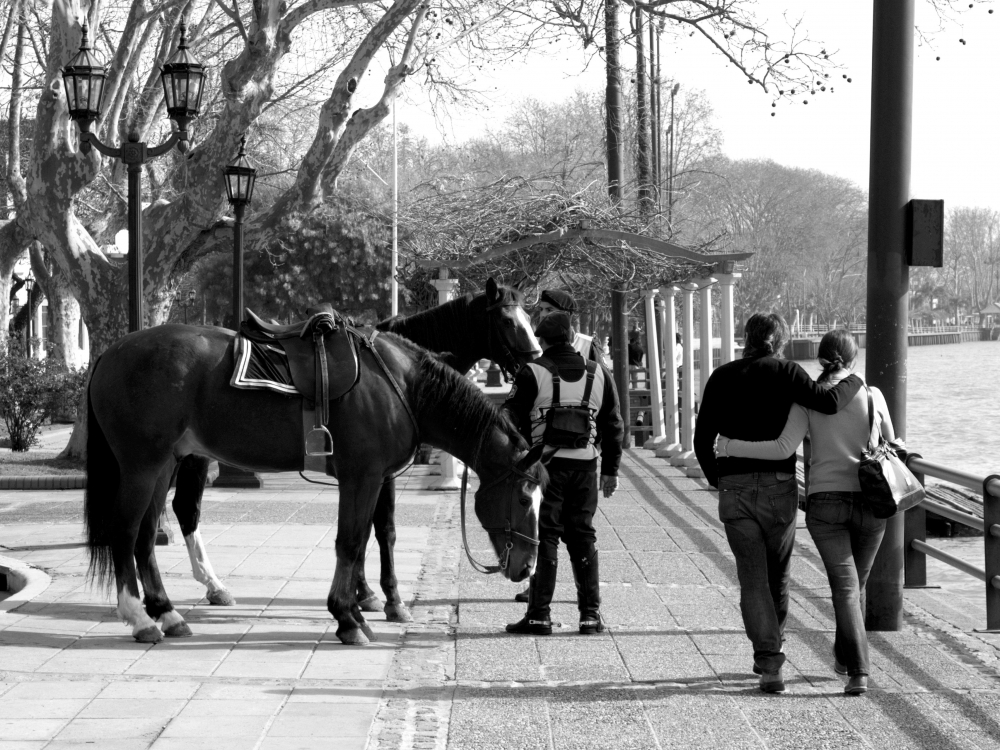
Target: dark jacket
(749, 399)
(571, 367)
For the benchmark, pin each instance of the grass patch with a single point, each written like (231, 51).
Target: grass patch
(37, 464)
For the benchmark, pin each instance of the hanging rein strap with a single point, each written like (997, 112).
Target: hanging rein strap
(509, 533)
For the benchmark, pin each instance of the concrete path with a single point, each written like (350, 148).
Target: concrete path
(673, 670)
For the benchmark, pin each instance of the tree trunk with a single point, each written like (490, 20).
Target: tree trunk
(613, 101)
(645, 193)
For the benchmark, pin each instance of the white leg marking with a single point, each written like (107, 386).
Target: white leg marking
(522, 316)
(170, 619)
(536, 504)
(201, 566)
(131, 611)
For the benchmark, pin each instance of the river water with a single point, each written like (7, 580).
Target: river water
(953, 419)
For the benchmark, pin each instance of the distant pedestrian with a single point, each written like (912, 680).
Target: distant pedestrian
(635, 349)
(841, 523)
(571, 406)
(749, 399)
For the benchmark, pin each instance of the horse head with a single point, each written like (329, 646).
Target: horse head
(507, 506)
(511, 336)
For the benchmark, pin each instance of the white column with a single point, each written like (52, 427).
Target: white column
(653, 368)
(686, 457)
(706, 333)
(726, 282)
(672, 444)
(450, 479)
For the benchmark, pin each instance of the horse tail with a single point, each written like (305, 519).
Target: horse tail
(103, 479)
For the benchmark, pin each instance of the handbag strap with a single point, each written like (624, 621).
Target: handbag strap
(871, 421)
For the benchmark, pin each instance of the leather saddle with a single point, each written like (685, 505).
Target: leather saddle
(322, 359)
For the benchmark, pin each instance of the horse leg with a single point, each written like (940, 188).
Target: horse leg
(367, 599)
(190, 486)
(357, 498)
(385, 534)
(135, 494)
(155, 597)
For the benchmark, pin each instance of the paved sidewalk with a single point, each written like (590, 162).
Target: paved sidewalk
(267, 673)
(673, 670)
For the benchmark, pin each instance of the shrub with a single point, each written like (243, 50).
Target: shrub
(31, 390)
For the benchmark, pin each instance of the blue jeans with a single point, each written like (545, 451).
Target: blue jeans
(847, 536)
(758, 511)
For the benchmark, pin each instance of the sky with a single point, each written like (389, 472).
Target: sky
(956, 155)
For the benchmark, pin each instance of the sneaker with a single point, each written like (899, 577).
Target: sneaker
(857, 685)
(771, 682)
(589, 627)
(524, 626)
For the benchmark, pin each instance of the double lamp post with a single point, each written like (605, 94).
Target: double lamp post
(183, 80)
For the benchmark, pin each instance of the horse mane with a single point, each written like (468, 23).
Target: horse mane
(475, 416)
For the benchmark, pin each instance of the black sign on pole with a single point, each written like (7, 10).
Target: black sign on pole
(925, 233)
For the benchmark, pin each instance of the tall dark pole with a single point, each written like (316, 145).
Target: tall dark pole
(134, 155)
(238, 213)
(657, 101)
(670, 156)
(888, 273)
(642, 120)
(616, 176)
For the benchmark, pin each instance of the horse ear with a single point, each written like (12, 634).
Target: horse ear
(492, 293)
(532, 457)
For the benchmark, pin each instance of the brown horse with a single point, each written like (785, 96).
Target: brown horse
(161, 394)
(492, 325)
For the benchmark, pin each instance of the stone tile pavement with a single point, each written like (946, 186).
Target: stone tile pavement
(672, 671)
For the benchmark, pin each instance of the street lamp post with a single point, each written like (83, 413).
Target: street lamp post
(192, 296)
(84, 78)
(29, 284)
(240, 180)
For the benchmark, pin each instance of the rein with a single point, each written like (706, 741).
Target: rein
(509, 533)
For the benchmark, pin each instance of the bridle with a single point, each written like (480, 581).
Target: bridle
(508, 532)
(510, 365)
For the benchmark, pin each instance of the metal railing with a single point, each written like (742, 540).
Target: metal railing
(917, 550)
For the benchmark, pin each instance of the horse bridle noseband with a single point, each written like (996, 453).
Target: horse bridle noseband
(508, 368)
(508, 532)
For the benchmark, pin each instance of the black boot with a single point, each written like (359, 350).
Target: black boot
(588, 593)
(543, 585)
(523, 597)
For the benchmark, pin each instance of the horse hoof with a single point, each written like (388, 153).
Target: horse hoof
(178, 630)
(151, 634)
(397, 613)
(371, 604)
(352, 637)
(368, 632)
(221, 598)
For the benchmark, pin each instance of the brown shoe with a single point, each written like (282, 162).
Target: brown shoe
(857, 685)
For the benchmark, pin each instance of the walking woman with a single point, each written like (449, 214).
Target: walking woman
(837, 516)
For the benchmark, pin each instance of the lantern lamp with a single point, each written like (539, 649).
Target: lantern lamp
(183, 78)
(84, 78)
(240, 178)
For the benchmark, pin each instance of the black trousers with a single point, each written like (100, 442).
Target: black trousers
(567, 514)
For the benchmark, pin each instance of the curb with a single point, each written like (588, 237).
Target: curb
(55, 482)
(25, 581)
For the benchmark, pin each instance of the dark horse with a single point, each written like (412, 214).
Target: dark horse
(162, 394)
(492, 325)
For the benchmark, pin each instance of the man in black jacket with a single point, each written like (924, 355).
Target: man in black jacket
(556, 300)
(749, 399)
(562, 377)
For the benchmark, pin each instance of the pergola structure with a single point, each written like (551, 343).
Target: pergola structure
(684, 272)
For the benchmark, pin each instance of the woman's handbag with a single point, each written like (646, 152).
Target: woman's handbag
(887, 485)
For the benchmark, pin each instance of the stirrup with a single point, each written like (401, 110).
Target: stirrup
(319, 442)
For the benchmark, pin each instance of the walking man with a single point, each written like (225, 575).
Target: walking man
(571, 406)
(758, 499)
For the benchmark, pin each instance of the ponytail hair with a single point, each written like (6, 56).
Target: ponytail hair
(765, 335)
(837, 351)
